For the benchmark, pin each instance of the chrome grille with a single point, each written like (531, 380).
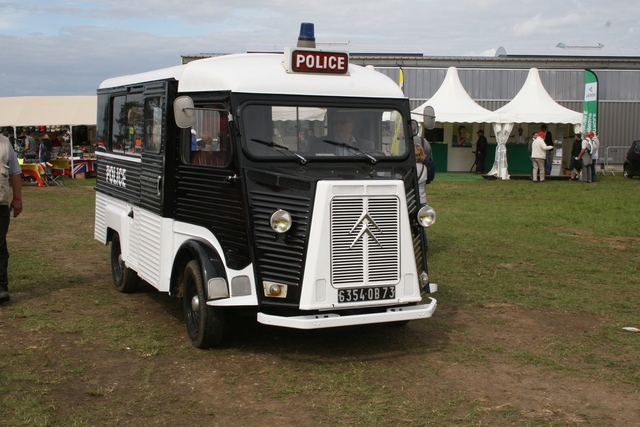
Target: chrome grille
(365, 247)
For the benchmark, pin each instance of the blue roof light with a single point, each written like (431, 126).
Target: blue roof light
(306, 32)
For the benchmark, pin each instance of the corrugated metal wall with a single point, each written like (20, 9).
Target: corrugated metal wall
(619, 93)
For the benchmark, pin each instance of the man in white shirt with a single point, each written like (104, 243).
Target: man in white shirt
(520, 138)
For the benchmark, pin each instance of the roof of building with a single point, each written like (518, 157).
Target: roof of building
(564, 50)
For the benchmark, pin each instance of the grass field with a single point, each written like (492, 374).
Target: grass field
(535, 283)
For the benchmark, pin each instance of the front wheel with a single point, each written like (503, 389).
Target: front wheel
(124, 279)
(205, 324)
(627, 172)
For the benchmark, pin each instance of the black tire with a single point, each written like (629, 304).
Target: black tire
(124, 279)
(205, 324)
(627, 172)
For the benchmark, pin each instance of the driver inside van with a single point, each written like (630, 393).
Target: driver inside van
(342, 137)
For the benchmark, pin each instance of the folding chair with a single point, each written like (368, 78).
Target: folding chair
(54, 175)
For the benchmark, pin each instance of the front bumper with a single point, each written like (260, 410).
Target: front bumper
(333, 320)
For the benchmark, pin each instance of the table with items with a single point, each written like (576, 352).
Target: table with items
(36, 171)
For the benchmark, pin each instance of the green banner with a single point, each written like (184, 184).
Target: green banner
(590, 109)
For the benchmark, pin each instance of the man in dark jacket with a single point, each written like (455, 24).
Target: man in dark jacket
(481, 151)
(548, 139)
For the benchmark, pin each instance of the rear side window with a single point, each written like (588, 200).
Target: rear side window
(127, 127)
(153, 120)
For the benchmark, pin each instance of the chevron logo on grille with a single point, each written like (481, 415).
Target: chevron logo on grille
(367, 227)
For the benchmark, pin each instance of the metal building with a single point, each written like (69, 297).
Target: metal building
(494, 81)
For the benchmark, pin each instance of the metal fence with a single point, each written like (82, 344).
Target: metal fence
(614, 158)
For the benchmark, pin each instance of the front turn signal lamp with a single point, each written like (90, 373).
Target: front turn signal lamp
(426, 216)
(274, 290)
(280, 221)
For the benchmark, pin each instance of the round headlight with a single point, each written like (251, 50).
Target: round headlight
(280, 221)
(426, 216)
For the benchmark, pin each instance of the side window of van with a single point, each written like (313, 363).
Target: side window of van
(128, 124)
(153, 125)
(209, 140)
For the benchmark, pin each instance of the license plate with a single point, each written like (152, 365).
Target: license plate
(366, 294)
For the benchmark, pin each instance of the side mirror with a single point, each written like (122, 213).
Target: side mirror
(415, 128)
(184, 112)
(429, 115)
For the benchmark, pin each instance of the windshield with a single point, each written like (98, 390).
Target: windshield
(305, 133)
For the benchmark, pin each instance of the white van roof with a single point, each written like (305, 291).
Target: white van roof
(265, 73)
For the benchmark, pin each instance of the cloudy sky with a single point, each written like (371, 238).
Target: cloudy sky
(57, 47)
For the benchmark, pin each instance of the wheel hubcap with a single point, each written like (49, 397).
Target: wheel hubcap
(195, 303)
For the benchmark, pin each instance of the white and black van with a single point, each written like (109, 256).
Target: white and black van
(232, 182)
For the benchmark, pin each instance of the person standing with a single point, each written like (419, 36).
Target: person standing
(595, 142)
(585, 157)
(520, 138)
(29, 142)
(548, 139)
(421, 171)
(18, 145)
(194, 140)
(420, 140)
(481, 151)
(10, 176)
(575, 165)
(538, 148)
(530, 147)
(46, 146)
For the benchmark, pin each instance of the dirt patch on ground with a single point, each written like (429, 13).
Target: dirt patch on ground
(542, 385)
(488, 364)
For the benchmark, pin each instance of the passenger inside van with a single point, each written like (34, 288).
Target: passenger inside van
(204, 154)
(202, 157)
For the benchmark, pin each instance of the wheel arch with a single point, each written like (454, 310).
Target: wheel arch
(208, 258)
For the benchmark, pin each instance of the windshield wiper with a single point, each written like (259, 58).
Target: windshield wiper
(280, 147)
(351, 147)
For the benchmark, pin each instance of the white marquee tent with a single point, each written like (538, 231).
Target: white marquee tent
(453, 104)
(532, 104)
(48, 111)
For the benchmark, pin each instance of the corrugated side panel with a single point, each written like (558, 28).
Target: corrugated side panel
(100, 230)
(619, 123)
(150, 244)
(618, 85)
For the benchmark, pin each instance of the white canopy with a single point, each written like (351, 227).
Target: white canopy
(453, 104)
(48, 111)
(533, 104)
